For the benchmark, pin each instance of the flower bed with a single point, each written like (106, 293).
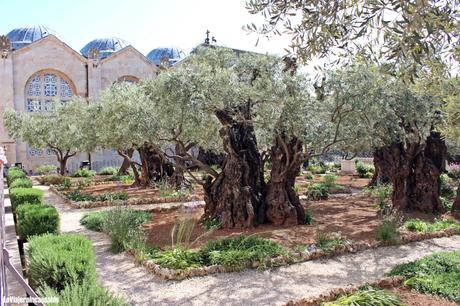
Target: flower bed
(295, 257)
(128, 202)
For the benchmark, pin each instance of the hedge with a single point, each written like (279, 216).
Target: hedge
(14, 174)
(21, 196)
(36, 219)
(21, 183)
(61, 260)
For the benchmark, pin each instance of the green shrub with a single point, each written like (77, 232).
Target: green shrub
(327, 242)
(86, 294)
(309, 217)
(383, 194)
(388, 231)
(211, 224)
(52, 179)
(235, 252)
(37, 219)
(308, 176)
(316, 169)
(446, 189)
(367, 297)
(329, 180)
(94, 221)
(61, 260)
(436, 274)
(123, 227)
(108, 171)
(178, 258)
(46, 169)
(84, 173)
(21, 183)
(14, 174)
(447, 203)
(240, 251)
(79, 196)
(317, 192)
(416, 225)
(21, 196)
(363, 170)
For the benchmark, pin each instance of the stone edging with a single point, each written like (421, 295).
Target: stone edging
(95, 204)
(383, 283)
(298, 257)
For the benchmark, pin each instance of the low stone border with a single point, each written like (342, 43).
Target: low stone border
(383, 283)
(129, 202)
(296, 257)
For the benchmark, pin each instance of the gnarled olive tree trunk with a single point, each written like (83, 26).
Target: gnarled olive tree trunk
(127, 157)
(235, 196)
(155, 165)
(415, 171)
(281, 200)
(382, 169)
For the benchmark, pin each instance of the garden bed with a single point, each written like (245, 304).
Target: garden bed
(135, 195)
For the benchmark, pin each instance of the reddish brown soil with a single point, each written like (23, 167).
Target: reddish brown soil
(354, 216)
(413, 298)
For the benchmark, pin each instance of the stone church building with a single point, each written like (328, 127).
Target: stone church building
(37, 68)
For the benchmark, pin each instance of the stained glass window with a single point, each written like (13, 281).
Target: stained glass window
(34, 152)
(43, 88)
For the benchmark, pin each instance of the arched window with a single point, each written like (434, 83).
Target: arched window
(128, 78)
(46, 86)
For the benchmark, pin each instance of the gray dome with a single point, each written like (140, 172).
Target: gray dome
(173, 54)
(22, 37)
(106, 46)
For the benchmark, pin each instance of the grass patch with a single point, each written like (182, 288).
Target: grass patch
(416, 225)
(79, 196)
(237, 252)
(327, 242)
(94, 221)
(367, 297)
(388, 231)
(437, 274)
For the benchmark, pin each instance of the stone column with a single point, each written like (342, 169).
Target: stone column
(94, 74)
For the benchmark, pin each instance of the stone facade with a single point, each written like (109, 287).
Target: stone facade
(50, 59)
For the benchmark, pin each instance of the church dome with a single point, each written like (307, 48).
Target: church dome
(106, 46)
(173, 54)
(22, 37)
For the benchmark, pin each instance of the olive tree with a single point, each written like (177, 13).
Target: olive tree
(64, 129)
(127, 122)
(401, 33)
(398, 122)
(243, 106)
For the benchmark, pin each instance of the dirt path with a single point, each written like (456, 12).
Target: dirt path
(121, 275)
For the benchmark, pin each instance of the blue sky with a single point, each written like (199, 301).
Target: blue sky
(145, 24)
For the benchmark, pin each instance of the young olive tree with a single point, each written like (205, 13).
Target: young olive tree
(127, 122)
(63, 130)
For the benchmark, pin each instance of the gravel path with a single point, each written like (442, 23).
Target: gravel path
(122, 275)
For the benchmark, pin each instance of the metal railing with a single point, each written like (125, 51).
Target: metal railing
(5, 255)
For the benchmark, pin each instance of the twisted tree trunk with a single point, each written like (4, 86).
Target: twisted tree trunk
(127, 155)
(235, 196)
(282, 202)
(382, 169)
(415, 174)
(178, 177)
(155, 165)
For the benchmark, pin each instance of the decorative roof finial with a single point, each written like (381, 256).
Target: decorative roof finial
(206, 40)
